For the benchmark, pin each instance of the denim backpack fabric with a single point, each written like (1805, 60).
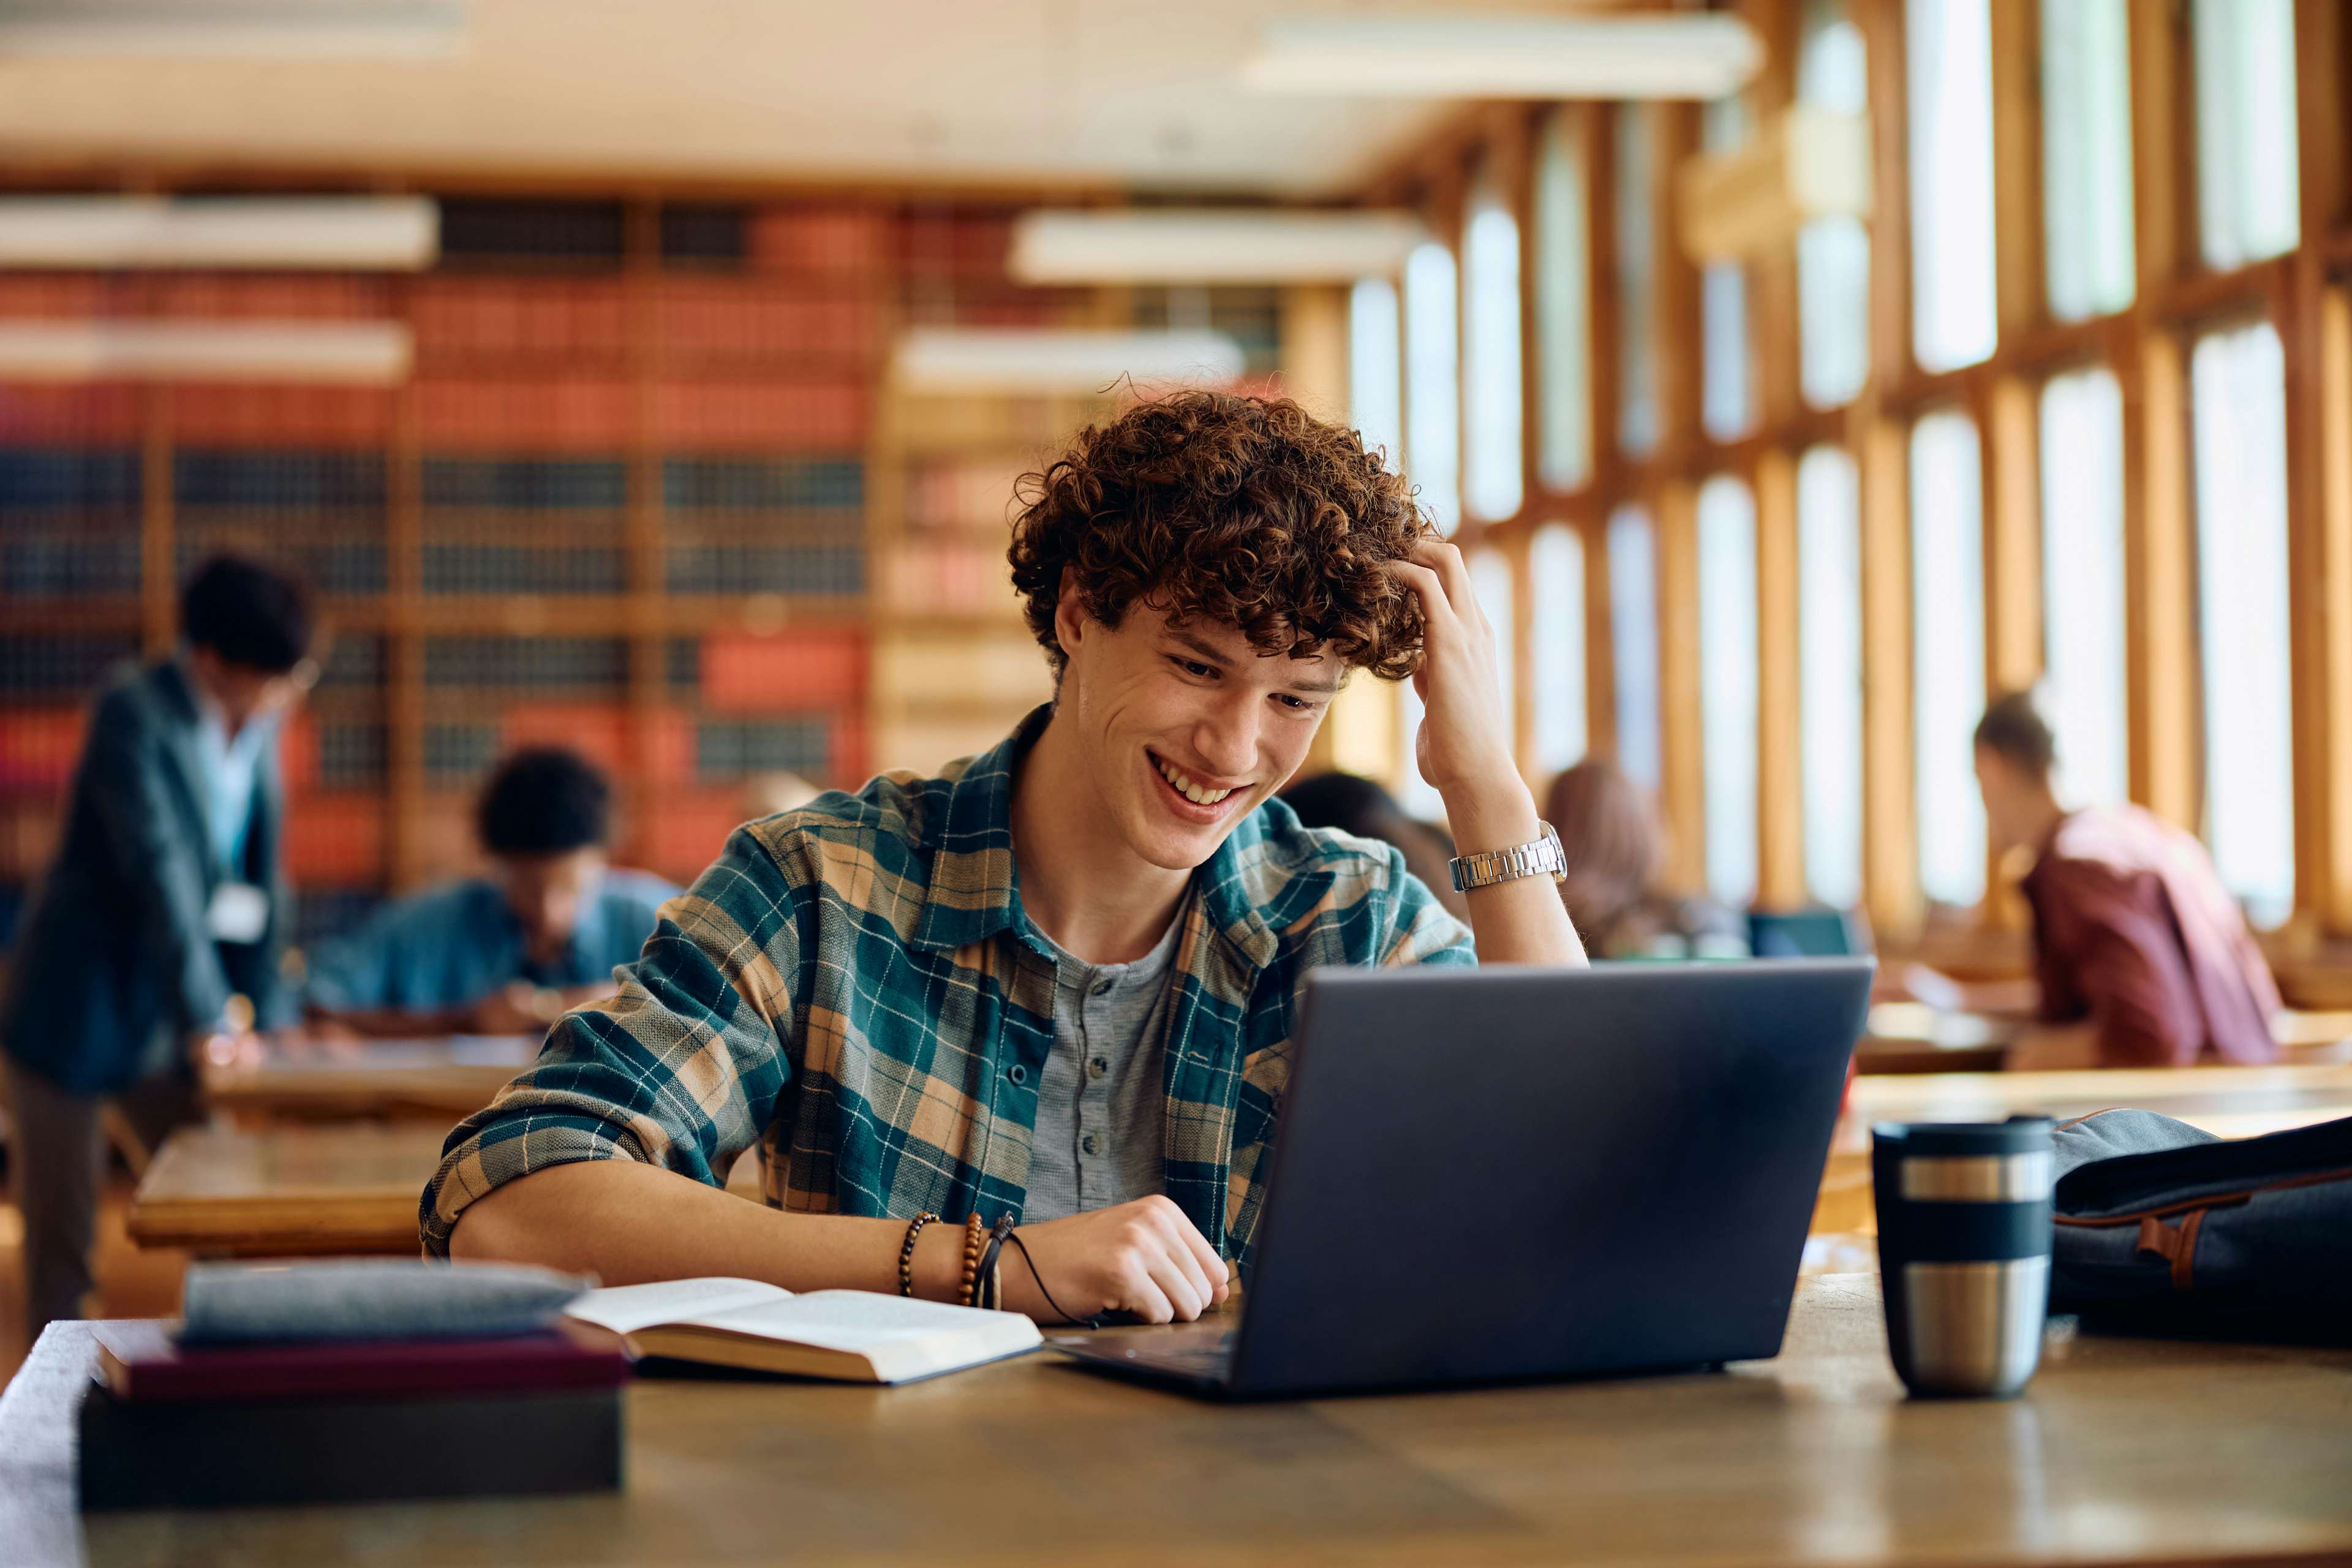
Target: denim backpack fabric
(2163, 1228)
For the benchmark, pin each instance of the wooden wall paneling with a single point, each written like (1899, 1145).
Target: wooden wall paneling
(1514, 544)
(2019, 292)
(1890, 845)
(2159, 606)
(2009, 416)
(1890, 222)
(1779, 744)
(2317, 340)
(1527, 126)
(1681, 380)
(2159, 579)
(1680, 759)
(1772, 325)
(1596, 144)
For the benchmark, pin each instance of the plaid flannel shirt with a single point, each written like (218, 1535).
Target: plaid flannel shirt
(853, 988)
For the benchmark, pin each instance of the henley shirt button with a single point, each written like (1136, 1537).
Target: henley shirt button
(1099, 1066)
(1016, 1073)
(1090, 1144)
(1102, 987)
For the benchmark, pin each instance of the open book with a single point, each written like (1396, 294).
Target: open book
(855, 1336)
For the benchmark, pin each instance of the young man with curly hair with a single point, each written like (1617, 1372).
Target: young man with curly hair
(1060, 979)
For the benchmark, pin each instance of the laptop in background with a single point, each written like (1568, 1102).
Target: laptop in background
(1514, 1173)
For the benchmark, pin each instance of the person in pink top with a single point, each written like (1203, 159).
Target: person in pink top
(2143, 958)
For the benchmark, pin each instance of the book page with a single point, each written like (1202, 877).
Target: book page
(860, 1320)
(625, 1309)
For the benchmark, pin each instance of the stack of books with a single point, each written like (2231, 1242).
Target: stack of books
(169, 1425)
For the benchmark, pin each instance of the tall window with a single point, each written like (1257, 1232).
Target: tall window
(1725, 403)
(1563, 286)
(1832, 254)
(1947, 654)
(1829, 675)
(1556, 573)
(1633, 641)
(2238, 392)
(1432, 408)
(1947, 47)
(2086, 156)
(1375, 375)
(2083, 568)
(2246, 155)
(1637, 297)
(1492, 451)
(1727, 652)
(1490, 579)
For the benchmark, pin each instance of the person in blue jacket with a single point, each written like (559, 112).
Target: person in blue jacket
(157, 931)
(506, 953)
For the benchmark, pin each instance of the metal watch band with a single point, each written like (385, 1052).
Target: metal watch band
(1488, 867)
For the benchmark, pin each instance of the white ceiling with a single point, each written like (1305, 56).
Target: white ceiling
(1141, 93)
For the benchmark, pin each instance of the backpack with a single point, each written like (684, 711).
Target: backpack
(2164, 1228)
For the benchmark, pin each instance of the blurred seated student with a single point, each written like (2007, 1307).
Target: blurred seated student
(1355, 805)
(1616, 851)
(2143, 958)
(510, 952)
(157, 931)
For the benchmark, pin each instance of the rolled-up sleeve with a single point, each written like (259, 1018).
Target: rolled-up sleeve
(679, 1070)
(1425, 931)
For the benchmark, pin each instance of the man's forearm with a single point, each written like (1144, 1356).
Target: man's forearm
(629, 1223)
(1522, 921)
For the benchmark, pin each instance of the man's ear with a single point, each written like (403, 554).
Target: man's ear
(1070, 615)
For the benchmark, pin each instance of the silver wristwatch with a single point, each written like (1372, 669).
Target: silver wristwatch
(1488, 867)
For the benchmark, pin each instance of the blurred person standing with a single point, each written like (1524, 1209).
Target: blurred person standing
(158, 929)
(1616, 852)
(2143, 958)
(509, 952)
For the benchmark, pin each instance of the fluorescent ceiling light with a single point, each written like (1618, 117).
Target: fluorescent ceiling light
(1691, 54)
(1047, 360)
(336, 233)
(1211, 246)
(345, 353)
(233, 29)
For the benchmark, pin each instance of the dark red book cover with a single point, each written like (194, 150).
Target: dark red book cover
(142, 1364)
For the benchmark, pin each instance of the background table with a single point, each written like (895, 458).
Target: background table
(2121, 1451)
(281, 1191)
(437, 1080)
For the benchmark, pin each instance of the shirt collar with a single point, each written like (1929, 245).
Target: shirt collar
(974, 890)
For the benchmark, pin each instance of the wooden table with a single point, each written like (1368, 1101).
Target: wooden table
(1911, 1037)
(2229, 1102)
(2122, 1451)
(436, 1079)
(299, 1190)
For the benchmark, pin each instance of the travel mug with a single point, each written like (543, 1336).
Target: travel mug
(1964, 1250)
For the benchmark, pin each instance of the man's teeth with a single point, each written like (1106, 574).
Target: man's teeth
(1188, 789)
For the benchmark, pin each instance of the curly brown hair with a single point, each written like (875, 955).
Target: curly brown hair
(1243, 511)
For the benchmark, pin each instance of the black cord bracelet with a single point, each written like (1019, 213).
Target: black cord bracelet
(987, 1271)
(1068, 1317)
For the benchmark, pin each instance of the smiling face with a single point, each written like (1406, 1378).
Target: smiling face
(1183, 730)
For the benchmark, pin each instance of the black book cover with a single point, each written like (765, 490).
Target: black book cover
(346, 1450)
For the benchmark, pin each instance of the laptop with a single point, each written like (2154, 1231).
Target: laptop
(1504, 1175)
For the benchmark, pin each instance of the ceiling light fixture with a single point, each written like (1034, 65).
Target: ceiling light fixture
(234, 29)
(1684, 55)
(1205, 245)
(1045, 361)
(335, 233)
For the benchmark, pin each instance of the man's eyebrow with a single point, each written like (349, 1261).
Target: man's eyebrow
(1217, 657)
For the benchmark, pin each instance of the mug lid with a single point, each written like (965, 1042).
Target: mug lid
(2018, 1135)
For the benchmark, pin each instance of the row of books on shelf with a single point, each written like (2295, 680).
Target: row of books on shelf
(974, 493)
(110, 479)
(196, 295)
(241, 414)
(731, 317)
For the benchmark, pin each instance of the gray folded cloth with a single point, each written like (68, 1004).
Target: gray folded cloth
(369, 1298)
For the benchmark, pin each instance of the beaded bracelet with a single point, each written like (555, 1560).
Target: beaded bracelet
(970, 1290)
(906, 1252)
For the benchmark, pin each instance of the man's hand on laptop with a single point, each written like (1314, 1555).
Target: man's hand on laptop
(1145, 1258)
